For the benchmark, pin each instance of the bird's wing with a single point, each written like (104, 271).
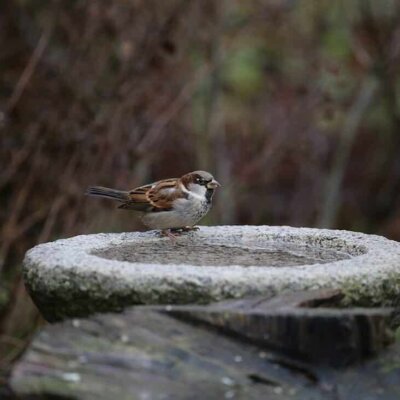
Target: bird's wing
(157, 196)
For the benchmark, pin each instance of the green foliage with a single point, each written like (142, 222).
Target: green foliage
(336, 43)
(244, 70)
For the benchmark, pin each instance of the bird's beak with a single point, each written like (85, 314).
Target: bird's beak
(213, 184)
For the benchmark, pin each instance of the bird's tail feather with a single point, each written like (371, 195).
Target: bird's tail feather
(108, 193)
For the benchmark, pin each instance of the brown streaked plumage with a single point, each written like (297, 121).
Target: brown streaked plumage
(169, 203)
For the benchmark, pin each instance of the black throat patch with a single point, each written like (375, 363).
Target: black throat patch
(209, 195)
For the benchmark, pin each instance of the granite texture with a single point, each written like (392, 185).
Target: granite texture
(94, 273)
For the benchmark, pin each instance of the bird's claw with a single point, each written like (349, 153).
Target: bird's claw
(189, 228)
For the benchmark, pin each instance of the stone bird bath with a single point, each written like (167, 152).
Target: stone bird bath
(107, 272)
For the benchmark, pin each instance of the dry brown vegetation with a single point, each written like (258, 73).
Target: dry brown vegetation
(294, 106)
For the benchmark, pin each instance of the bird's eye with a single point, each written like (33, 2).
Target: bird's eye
(199, 181)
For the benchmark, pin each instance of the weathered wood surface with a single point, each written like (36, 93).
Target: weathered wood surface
(304, 326)
(148, 353)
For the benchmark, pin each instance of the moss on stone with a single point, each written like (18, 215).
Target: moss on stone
(383, 292)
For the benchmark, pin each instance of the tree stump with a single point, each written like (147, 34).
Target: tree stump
(247, 349)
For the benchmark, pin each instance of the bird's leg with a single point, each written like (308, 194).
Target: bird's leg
(173, 233)
(167, 232)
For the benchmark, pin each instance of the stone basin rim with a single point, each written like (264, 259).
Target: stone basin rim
(361, 246)
(65, 280)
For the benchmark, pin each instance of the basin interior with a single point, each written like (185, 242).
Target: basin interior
(263, 253)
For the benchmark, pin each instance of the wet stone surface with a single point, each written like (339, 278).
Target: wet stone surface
(267, 254)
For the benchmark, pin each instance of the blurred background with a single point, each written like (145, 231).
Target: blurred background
(292, 105)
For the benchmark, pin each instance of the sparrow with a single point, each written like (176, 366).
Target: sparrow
(168, 205)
